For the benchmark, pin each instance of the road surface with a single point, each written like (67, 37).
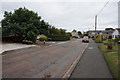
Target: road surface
(38, 62)
(92, 64)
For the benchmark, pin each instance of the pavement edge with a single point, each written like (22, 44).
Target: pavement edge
(70, 70)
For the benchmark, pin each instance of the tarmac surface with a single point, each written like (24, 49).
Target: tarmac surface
(51, 61)
(92, 64)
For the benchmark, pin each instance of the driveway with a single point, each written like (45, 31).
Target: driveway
(52, 61)
(13, 46)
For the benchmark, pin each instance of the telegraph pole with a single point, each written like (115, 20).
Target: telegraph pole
(97, 15)
(95, 26)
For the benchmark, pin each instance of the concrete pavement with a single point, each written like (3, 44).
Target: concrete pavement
(13, 46)
(39, 62)
(92, 64)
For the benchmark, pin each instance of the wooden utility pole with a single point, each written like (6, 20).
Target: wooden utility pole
(95, 26)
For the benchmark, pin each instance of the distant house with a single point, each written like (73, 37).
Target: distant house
(104, 33)
(92, 33)
(116, 33)
(74, 33)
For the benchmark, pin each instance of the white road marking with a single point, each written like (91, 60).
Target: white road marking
(90, 47)
(61, 42)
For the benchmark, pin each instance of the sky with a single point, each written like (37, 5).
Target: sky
(69, 14)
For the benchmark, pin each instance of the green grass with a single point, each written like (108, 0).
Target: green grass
(98, 41)
(111, 57)
(104, 48)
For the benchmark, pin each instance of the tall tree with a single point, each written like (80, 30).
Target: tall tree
(79, 33)
(44, 28)
(22, 23)
(109, 29)
(63, 31)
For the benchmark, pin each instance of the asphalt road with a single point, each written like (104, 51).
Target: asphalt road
(38, 62)
(92, 64)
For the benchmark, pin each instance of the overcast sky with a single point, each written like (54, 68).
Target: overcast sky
(69, 15)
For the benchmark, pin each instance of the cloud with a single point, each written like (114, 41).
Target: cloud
(70, 15)
(59, 0)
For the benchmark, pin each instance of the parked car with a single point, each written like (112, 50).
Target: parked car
(76, 36)
(85, 39)
(49, 39)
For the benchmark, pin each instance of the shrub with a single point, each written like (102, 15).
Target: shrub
(88, 36)
(98, 39)
(115, 41)
(69, 34)
(92, 36)
(81, 36)
(110, 44)
(85, 35)
(105, 42)
(42, 38)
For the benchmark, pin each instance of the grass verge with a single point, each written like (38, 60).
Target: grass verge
(112, 58)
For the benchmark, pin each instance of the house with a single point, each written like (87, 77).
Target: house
(92, 33)
(116, 33)
(74, 33)
(104, 33)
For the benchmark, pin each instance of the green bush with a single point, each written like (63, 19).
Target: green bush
(85, 35)
(81, 36)
(42, 38)
(115, 41)
(88, 36)
(109, 46)
(105, 42)
(99, 39)
(111, 41)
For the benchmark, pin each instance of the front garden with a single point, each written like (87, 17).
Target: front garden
(110, 50)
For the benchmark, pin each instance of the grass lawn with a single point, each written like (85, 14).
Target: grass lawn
(104, 48)
(112, 58)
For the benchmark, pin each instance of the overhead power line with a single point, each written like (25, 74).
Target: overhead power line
(97, 15)
(103, 7)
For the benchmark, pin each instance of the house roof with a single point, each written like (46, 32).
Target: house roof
(74, 30)
(102, 31)
(118, 30)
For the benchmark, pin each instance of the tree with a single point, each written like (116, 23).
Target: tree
(68, 33)
(79, 33)
(63, 31)
(52, 30)
(109, 29)
(23, 23)
(44, 28)
(57, 31)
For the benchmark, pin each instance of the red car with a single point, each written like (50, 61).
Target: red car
(85, 39)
